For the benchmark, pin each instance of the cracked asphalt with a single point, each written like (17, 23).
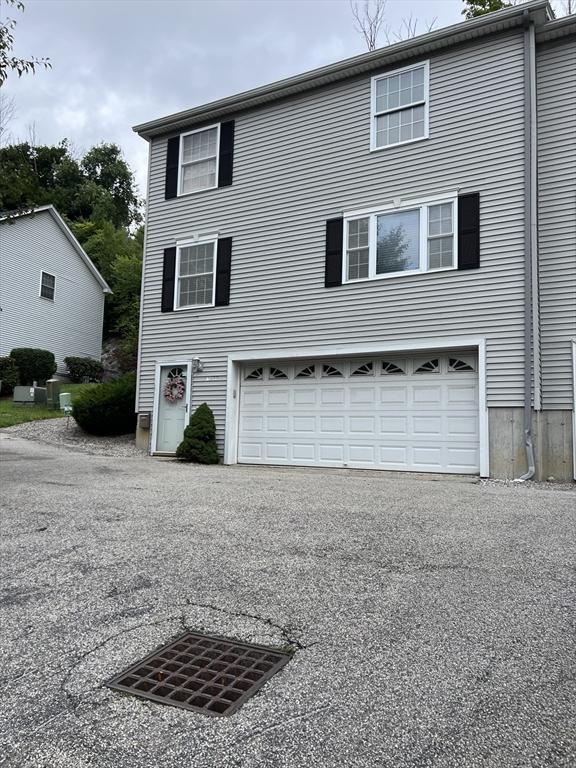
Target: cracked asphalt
(433, 618)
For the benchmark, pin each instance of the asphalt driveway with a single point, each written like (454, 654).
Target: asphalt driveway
(433, 619)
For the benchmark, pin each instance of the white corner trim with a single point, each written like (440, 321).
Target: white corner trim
(235, 359)
(157, 368)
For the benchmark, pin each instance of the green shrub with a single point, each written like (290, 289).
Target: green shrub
(84, 369)
(9, 375)
(34, 364)
(107, 409)
(199, 443)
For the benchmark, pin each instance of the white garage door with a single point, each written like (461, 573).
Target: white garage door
(410, 413)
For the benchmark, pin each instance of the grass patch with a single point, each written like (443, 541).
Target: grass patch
(11, 413)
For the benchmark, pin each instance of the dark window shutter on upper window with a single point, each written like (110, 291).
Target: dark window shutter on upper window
(168, 278)
(334, 234)
(172, 162)
(223, 269)
(226, 158)
(469, 231)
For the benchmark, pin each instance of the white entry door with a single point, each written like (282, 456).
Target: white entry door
(172, 407)
(417, 413)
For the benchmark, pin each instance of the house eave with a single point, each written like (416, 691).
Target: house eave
(556, 29)
(538, 11)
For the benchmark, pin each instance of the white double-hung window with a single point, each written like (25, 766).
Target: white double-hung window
(397, 240)
(199, 160)
(195, 273)
(400, 106)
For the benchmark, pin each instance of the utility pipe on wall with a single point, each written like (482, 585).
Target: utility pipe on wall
(531, 329)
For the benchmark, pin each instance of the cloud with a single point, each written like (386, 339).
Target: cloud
(116, 64)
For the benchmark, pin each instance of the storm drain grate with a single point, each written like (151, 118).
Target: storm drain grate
(207, 674)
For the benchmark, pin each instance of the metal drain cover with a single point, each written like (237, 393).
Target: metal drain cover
(208, 674)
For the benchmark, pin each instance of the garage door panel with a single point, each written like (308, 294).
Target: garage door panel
(363, 396)
(277, 451)
(427, 425)
(277, 423)
(304, 451)
(362, 454)
(390, 395)
(305, 396)
(426, 394)
(332, 396)
(362, 425)
(462, 458)
(458, 395)
(304, 424)
(393, 425)
(280, 397)
(393, 456)
(388, 419)
(462, 425)
(331, 453)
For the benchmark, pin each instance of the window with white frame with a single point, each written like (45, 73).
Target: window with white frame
(47, 286)
(400, 106)
(195, 267)
(199, 160)
(416, 238)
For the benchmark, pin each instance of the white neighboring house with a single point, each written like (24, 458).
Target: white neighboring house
(51, 294)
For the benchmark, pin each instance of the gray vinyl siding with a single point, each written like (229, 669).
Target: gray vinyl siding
(556, 67)
(304, 160)
(69, 325)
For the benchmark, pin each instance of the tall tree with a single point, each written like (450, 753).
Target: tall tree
(99, 187)
(475, 8)
(9, 62)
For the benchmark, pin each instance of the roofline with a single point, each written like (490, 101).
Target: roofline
(539, 12)
(556, 28)
(70, 236)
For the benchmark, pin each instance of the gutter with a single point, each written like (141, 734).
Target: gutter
(531, 308)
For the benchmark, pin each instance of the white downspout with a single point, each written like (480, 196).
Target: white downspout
(531, 325)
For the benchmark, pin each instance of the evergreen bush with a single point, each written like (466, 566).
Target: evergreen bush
(107, 409)
(199, 443)
(9, 375)
(34, 364)
(84, 369)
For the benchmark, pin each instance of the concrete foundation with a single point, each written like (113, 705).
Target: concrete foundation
(552, 436)
(143, 438)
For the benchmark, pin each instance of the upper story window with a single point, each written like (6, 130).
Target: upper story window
(390, 242)
(199, 160)
(195, 268)
(400, 106)
(47, 286)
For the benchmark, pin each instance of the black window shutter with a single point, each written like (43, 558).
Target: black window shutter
(334, 233)
(469, 231)
(226, 159)
(172, 162)
(223, 269)
(168, 278)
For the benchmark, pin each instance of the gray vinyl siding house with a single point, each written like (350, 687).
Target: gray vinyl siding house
(51, 294)
(305, 361)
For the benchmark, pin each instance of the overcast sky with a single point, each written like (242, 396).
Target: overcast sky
(116, 63)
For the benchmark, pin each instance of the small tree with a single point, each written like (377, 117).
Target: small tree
(199, 443)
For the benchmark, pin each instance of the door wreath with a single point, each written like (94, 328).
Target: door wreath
(174, 389)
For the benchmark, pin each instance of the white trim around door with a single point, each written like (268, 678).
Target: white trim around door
(173, 363)
(235, 360)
